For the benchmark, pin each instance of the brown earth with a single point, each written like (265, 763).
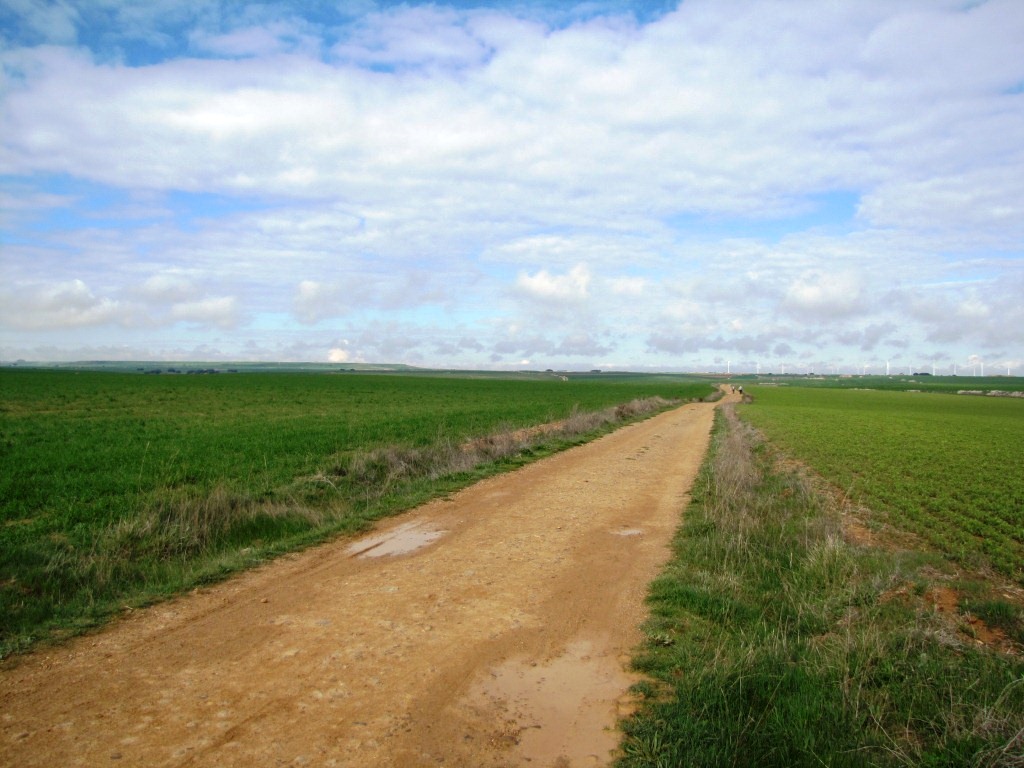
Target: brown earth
(491, 628)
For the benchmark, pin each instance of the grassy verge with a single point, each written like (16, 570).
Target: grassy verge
(82, 569)
(775, 642)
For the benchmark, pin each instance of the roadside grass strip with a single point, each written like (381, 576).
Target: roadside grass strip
(776, 641)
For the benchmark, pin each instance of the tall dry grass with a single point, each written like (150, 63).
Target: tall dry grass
(377, 472)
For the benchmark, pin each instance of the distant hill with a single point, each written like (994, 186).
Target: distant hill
(200, 367)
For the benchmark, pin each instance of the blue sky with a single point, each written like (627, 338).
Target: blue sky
(659, 185)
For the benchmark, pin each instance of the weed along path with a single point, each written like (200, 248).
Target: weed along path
(491, 628)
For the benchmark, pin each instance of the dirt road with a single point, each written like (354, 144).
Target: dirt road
(492, 628)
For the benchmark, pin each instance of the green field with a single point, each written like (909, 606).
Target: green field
(119, 488)
(903, 383)
(775, 642)
(946, 467)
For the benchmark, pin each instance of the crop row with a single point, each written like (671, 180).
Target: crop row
(945, 467)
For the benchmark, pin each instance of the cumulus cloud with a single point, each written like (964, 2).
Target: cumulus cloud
(657, 187)
(166, 287)
(582, 344)
(675, 344)
(645, 117)
(543, 286)
(339, 355)
(632, 287)
(315, 300)
(981, 314)
(868, 337)
(823, 296)
(49, 306)
(219, 312)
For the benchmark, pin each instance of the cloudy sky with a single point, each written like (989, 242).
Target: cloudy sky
(647, 185)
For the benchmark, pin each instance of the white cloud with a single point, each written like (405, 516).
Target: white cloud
(981, 33)
(220, 312)
(315, 301)
(169, 288)
(985, 313)
(428, 35)
(436, 173)
(573, 286)
(50, 306)
(632, 287)
(661, 118)
(824, 296)
(262, 40)
(339, 355)
(989, 202)
(23, 200)
(581, 344)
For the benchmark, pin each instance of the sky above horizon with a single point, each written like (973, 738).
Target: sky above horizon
(651, 185)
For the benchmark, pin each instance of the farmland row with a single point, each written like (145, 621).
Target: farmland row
(945, 467)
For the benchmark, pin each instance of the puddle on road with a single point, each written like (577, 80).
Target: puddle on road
(561, 712)
(400, 540)
(629, 532)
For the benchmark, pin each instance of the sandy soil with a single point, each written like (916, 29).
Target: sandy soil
(492, 628)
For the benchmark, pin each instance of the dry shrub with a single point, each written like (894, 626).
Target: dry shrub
(735, 470)
(378, 471)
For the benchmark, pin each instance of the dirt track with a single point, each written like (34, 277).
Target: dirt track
(492, 628)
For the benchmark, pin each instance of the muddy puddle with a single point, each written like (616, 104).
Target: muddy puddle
(400, 540)
(560, 712)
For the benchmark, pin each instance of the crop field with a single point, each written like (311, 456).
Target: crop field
(946, 467)
(118, 488)
(950, 385)
(776, 641)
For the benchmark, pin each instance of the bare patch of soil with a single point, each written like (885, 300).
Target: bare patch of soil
(945, 601)
(489, 629)
(990, 636)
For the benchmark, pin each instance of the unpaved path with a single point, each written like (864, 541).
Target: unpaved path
(492, 628)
